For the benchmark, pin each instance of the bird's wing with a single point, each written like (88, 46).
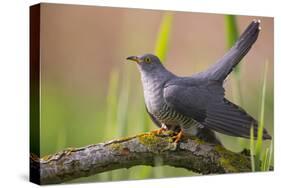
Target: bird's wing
(225, 65)
(191, 98)
(207, 105)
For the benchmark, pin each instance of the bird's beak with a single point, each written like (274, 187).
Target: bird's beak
(134, 58)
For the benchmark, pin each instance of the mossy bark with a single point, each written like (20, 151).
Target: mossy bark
(190, 153)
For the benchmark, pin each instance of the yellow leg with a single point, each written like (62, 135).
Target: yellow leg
(159, 131)
(178, 136)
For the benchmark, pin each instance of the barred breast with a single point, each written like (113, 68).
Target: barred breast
(172, 118)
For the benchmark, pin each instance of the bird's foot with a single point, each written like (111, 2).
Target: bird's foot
(178, 136)
(159, 131)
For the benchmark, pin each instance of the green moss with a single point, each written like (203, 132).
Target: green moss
(157, 143)
(233, 162)
(116, 146)
(46, 158)
(197, 140)
(148, 139)
(227, 165)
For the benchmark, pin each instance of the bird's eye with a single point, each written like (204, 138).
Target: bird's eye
(147, 60)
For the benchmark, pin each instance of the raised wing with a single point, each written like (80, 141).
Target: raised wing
(225, 65)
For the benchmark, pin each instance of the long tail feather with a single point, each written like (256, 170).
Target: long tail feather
(232, 120)
(225, 65)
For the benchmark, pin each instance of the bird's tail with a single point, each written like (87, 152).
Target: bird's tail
(225, 65)
(230, 119)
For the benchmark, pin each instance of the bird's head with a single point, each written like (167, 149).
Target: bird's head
(146, 62)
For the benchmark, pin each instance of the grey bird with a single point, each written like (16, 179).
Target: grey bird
(196, 104)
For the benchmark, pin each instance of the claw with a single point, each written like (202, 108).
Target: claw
(159, 131)
(178, 137)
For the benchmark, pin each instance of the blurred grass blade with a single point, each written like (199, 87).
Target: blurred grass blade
(252, 148)
(111, 108)
(269, 157)
(163, 36)
(111, 104)
(261, 122)
(265, 160)
(158, 170)
(145, 120)
(123, 102)
(122, 117)
(231, 30)
(232, 35)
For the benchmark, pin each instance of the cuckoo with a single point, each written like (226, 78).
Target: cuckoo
(196, 104)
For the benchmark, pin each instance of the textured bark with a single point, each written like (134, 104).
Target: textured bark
(190, 153)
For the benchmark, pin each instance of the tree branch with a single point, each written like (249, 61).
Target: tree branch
(190, 153)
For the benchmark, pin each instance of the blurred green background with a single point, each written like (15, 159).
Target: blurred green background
(90, 95)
